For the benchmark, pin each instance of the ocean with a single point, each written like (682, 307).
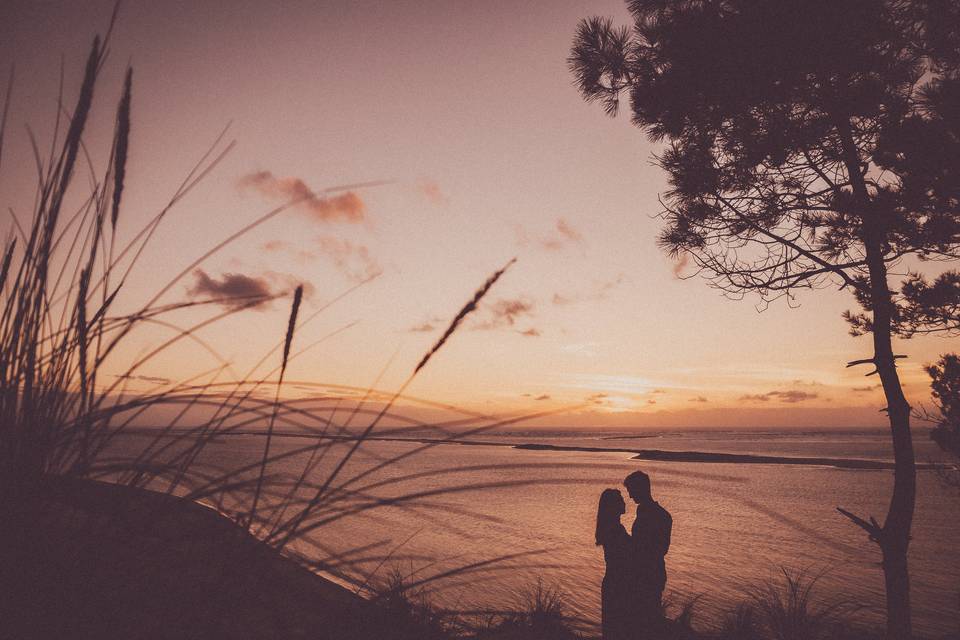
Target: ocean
(481, 525)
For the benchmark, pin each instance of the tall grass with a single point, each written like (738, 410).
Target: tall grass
(68, 416)
(788, 610)
(539, 614)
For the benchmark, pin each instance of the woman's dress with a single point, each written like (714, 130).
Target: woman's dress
(618, 589)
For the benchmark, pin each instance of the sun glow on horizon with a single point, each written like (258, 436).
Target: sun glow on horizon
(443, 192)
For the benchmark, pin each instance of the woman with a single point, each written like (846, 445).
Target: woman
(617, 591)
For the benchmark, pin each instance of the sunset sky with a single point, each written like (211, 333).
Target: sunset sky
(467, 112)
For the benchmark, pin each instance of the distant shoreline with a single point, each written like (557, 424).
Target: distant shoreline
(657, 455)
(661, 455)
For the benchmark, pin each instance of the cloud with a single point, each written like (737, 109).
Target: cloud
(285, 283)
(794, 396)
(432, 192)
(152, 379)
(352, 260)
(698, 399)
(236, 289)
(658, 391)
(346, 207)
(565, 235)
(651, 402)
(562, 236)
(509, 310)
(504, 313)
(597, 398)
(800, 382)
(424, 327)
(545, 396)
(866, 389)
(532, 332)
(600, 292)
(282, 246)
(276, 245)
(791, 397)
(568, 232)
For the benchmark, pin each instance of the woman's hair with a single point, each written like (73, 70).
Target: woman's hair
(608, 513)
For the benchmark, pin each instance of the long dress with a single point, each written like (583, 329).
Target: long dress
(618, 589)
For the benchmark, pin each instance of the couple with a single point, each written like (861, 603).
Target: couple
(635, 570)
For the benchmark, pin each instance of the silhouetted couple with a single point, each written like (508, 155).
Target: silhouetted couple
(635, 570)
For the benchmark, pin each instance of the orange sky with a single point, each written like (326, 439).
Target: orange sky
(469, 113)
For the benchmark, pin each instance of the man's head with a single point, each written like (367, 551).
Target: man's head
(638, 486)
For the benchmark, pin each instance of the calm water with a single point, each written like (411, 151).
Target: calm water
(735, 526)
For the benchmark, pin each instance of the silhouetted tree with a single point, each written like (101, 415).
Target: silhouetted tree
(945, 388)
(807, 144)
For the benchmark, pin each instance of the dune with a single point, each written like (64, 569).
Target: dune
(109, 561)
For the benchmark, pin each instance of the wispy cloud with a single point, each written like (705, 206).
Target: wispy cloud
(282, 246)
(619, 384)
(532, 332)
(504, 313)
(563, 236)
(276, 245)
(235, 289)
(424, 327)
(568, 232)
(352, 260)
(345, 207)
(867, 389)
(597, 398)
(544, 396)
(432, 192)
(698, 399)
(151, 379)
(600, 292)
(792, 396)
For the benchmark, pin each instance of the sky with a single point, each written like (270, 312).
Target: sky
(465, 115)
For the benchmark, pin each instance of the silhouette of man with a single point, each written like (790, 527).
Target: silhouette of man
(651, 540)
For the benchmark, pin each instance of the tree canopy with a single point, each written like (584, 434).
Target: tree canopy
(945, 387)
(770, 111)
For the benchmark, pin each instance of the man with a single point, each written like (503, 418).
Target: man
(651, 540)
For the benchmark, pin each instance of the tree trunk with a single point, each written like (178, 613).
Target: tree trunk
(894, 538)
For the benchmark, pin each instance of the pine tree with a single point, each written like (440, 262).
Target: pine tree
(807, 144)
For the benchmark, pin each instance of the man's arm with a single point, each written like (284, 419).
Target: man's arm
(665, 532)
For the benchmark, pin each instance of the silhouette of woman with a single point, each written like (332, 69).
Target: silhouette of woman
(617, 601)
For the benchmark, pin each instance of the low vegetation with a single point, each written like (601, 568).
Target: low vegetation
(785, 609)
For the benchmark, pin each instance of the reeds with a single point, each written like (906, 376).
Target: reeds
(408, 613)
(788, 610)
(67, 414)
